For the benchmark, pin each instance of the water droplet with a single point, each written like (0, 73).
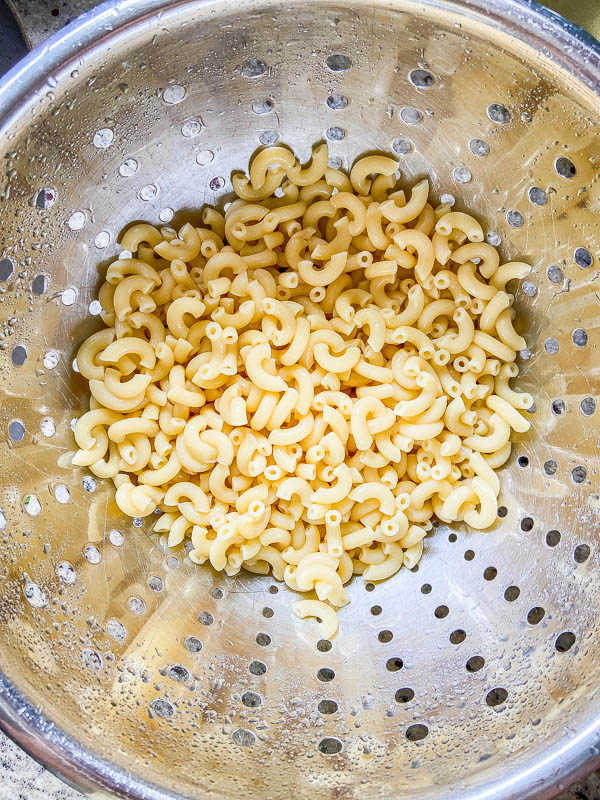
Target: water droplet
(103, 138)
(32, 505)
(95, 308)
(448, 199)
(76, 221)
(204, 157)
(47, 427)
(50, 359)
(34, 595)
(128, 168)
(149, 191)
(166, 214)
(68, 296)
(191, 128)
(116, 630)
(62, 493)
(66, 572)
(115, 537)
(91, 554)
(2, 521)
(102, 240)
(174, 94)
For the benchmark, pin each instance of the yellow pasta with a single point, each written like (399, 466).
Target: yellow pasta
(304, 382)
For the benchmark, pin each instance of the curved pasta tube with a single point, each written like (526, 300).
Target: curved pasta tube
(133, 290)
(140, 233)
(339, 244)
(337, 492)
(497, 437)
(186, 246)
(267, 159)
(241, 185)
(350, 202)
(412, 209)
(393, 561)
(371, 490)
(422, 244)
(506, 332)
(370, 165)
(327, 274)
(314, 172)
(508, 413)
(90, 350)
(488, 511)
(328, 625)
(107, 399)
(461, 221)
(459, 342)
(487, 254)
(412, 408)
(257, 372)
(508, 272)
(133, 267)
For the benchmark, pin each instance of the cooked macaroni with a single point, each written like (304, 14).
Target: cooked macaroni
(304, 383)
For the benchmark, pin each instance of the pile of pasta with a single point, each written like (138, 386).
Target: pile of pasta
(304, 383)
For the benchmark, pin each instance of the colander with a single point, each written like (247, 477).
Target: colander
(128, 669)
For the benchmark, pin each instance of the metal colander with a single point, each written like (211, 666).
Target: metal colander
(126, 666)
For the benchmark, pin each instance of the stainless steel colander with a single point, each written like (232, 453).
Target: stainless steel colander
(128, 668)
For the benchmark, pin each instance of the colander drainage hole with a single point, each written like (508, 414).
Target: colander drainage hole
(205, 618)
(458, 636)
(404, 695)
(385, 636)
(252, 700)
(441, 612)
(216, 593)
(550, 467)
(536, 615)
(523, 461)
(257, 668)
(527, 524)
(376, 610)
(415, 733)
(324, 645)
(426, 588)
(327, 707)
(243, 737)
(565, 641)
(475, 663)
(326, 674)
(267, 612)
(552, 538)
(329, 746)
(581, 553)
(579, 474)
(496, 697)
(161, 708)
(502, 511)
(263, 639)
(452, 537)
(394, 664)
(469, 555)
(192, 644)
(512, 593)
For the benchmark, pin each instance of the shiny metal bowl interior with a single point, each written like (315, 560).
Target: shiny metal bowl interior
(475, 676)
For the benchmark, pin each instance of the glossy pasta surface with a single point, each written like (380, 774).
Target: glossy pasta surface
(303, 383)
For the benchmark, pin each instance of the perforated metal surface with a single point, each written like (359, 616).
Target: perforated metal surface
(441, 680)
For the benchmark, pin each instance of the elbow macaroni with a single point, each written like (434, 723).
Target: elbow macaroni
(303, 382)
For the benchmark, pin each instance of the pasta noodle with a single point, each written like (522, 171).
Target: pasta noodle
(299, 385)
